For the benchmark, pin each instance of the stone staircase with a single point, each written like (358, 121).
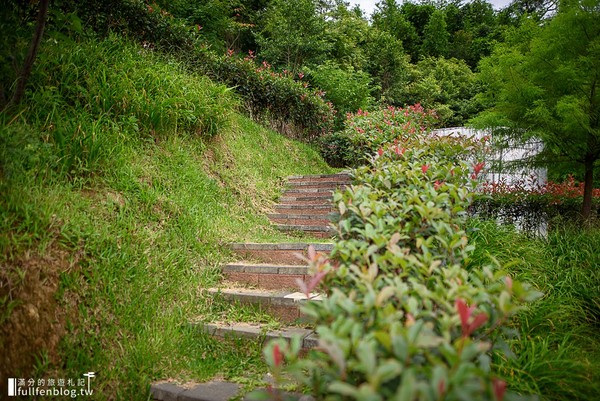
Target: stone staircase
(266, 276)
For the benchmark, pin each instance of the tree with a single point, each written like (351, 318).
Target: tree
(447, 86)
(389, 18)
(34, 46)
(544, 83)
(435, 41)
(292, 34)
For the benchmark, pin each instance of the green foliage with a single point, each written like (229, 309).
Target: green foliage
(435, 41)
(86, 106)
(389, 18)
(542, 84)
(447, 86)
(530, 205)
(146, 23)
(558, 347)
(348, 90)
(396, 322)
(292, 34)
(347, 33)
(142, 230)
(387, 63)
(367, 132)
(224, 24)
(299, 111)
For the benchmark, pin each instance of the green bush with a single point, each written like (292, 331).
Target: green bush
(289, 104)
(366, 132)
(294, 107)
(347, 89)
(404, 318)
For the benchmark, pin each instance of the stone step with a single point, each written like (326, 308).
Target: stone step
(256, 332)
(267, 276)
(218, 390)
(332, 185)
(304, 209)
(283, 253)
(304, 201)
(283, 305)
(319, 231)
(210, 391)
(309, 192)
(343, 177)
(300, 219)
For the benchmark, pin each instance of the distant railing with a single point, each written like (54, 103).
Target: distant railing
(506, 164)
(506, 161)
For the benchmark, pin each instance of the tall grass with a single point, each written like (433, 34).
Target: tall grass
(143, 174)
(557, 354)
(88, 98)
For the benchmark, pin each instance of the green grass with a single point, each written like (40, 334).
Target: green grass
(144, 197)
(558, 353)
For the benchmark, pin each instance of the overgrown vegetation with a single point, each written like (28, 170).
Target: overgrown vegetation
(556, 352)
(406, 316)
(131, 162)
(118, 200)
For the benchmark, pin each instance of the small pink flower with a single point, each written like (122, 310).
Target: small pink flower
(380, 151)
(399, 151)
(442, 387)
(424, 168)
(300, 75)
(437, 185)
(199, 27)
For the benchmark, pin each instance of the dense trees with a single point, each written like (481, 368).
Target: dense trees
(543, 83)
(408, 52)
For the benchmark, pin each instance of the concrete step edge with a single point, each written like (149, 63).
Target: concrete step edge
(214, 390)
(258, 332)
(264, 297)
(285, 246)
(255, 268)
(298, 227)
(302, 216)
(296, 177)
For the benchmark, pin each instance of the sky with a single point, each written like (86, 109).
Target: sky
(369, 5)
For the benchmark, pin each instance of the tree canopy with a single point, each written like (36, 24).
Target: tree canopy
(543, 83)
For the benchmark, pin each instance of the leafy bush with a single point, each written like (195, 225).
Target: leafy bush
(403, 318)
(297, 109)
(447, 86)
(366, 132)
(347, 89)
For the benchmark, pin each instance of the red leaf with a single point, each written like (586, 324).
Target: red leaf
(499, 388)
(477, 322)
(277, 355)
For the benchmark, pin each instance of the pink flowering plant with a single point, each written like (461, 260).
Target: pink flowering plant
(365, 132)
(404, 318)
(529, 202)
(296, 108)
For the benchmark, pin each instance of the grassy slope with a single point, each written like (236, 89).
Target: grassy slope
(144, 232)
